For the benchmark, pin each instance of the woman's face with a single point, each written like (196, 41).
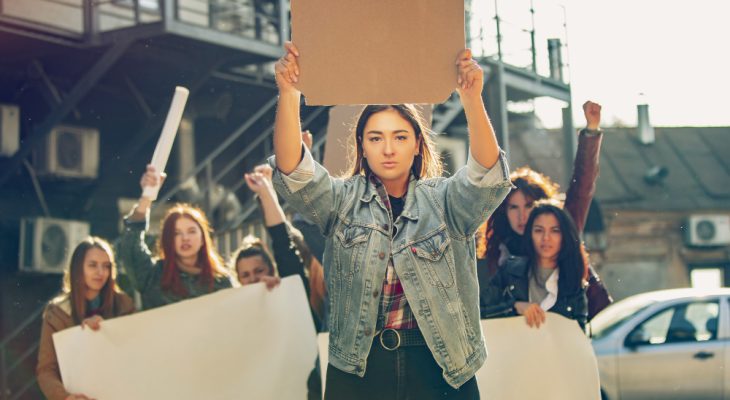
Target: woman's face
(389, 145)
(188, 237)
(97, 269)
(519, 208)
(251, 269)
(546, 236)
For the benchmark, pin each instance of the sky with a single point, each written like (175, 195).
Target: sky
(675, 53)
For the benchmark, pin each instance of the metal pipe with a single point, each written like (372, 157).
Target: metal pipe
(643, 126)
(283, 21)
(4, 390)
(21, 327)
(499, 30)
(37, 187)
(22, 357)
(258, 140)
(136, 12)
(532, 37)
(555, 59)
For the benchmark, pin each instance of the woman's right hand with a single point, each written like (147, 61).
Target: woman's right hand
(150, 179)
(271, 281)
(534, 315)
(286, 70)
(94, 322)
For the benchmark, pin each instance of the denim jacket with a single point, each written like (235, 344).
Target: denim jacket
(433, 252)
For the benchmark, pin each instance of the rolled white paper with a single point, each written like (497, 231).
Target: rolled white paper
(167, 138)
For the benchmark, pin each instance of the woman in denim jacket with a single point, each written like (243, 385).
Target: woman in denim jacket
(399, 257)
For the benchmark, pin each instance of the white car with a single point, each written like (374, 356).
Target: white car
(668, 344)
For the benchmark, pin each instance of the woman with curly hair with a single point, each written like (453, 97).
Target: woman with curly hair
(500, 238)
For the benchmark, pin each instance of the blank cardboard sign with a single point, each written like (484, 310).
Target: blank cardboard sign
(377, 51)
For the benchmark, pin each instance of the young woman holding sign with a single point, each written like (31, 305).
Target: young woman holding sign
(90, 295)
(552, 275)
(400, 257)
(253, 262)
(188, 265)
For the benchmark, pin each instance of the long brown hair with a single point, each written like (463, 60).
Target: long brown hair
(427, 164)
(496, 230)
(572, 257)
(208, 258)
(74, 284)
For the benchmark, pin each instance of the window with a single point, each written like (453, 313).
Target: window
(143, 4)
(706, 278)
(691, 322)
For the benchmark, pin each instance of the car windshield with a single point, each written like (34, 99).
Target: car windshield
(613, 316)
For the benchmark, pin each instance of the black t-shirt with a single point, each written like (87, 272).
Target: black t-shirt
(396, 206)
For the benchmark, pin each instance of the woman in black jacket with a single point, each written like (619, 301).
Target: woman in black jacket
(551, 278)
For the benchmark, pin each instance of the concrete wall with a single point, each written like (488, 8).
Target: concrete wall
(646, 251)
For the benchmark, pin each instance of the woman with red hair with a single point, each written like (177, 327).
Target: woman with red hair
(187, 265)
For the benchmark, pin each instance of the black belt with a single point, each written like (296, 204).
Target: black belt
(392, 339)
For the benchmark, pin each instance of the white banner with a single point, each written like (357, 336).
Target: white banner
(233, 344)
(555, 361)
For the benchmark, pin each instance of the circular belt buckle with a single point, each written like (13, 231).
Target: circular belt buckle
(397, 335)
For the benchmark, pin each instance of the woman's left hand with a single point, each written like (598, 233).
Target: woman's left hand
(592, 112)
(534, 315)
(470, 76)
(94, 322)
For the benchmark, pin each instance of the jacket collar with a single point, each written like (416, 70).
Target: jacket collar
(410, 208)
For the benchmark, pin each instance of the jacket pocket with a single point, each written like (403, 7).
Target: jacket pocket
(434, 255)
(352, 241)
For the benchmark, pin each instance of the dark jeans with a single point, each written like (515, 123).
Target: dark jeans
(406, 373)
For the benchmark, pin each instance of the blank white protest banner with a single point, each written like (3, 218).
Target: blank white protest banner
(236, 343)
(555, 361)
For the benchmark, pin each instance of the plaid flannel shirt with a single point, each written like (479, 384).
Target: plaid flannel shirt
(394, 311)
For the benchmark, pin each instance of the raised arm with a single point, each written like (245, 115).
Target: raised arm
(585, 167)
(475, 191)
(482, 141)
(132, 250)
(287, 126)
(259, 181)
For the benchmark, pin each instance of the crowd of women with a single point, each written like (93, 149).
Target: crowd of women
(412, 260)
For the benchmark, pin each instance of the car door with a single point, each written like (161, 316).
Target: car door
(674, 354)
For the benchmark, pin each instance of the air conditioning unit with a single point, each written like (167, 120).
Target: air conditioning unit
(9, 129)
(46, 244)
(708, 230)
(69, 151)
